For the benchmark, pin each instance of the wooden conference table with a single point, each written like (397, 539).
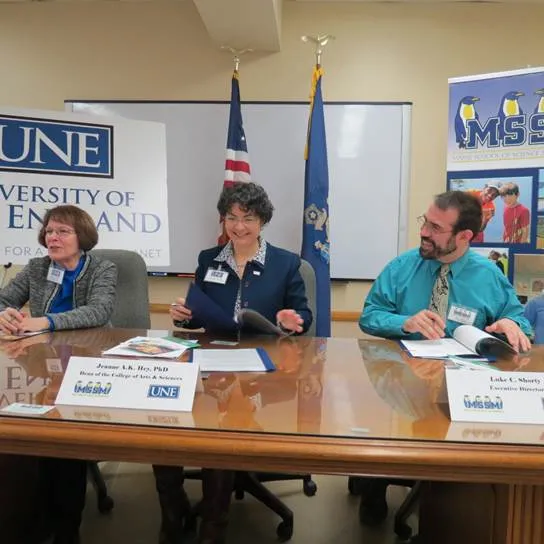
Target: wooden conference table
(334, 406)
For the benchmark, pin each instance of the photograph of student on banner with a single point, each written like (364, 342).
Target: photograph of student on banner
(499, 255)
(516, 216)
(540, 232)
(505, 219)
(541, 191)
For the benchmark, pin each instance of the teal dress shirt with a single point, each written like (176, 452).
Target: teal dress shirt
(404, 288)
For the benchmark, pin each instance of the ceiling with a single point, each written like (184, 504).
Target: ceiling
(260, 27)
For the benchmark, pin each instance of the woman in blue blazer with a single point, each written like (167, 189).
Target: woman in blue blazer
(248, 272)
(244, 272)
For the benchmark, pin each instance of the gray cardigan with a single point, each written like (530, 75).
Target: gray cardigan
(93, 297)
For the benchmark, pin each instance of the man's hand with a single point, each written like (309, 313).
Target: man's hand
(515, 336)
(427, 323)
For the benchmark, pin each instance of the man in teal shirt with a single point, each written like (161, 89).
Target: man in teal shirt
(428, 292)
(478, 294)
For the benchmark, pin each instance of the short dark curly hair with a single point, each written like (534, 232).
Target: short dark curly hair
(78, 219)
(250, 197)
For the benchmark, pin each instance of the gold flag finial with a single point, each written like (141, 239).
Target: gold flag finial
(236, 54)
(320, 41)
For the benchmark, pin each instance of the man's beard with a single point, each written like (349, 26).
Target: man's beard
(435, 252)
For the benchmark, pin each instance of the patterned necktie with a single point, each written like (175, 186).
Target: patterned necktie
(439, 295)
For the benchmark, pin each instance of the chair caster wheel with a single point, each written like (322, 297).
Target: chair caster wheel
(105, 504)
(403, 531)
(285, 531)
(310, 488)
(354, 486)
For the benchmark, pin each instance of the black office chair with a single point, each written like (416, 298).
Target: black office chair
(131, 311)
(253, 482)
(406, 509)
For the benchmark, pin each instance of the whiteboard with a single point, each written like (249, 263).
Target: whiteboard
(368, 147)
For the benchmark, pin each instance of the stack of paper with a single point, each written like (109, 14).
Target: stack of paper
(233, 360)
(156, 348)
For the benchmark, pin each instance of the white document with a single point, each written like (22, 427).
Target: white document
(129, 383)
(436, 349)
(233, 360)
(144, 346)
(467, 340)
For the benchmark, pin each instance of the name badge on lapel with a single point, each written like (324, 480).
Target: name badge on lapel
(216, 276)
(55, 274)
(462, 314)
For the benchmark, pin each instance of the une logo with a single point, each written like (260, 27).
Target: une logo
(47, 146)
(163, 391)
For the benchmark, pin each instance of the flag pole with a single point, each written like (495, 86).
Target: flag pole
(237, 167)
(315, 224)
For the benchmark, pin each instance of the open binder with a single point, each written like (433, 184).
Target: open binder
(467, 340)
(207, 311)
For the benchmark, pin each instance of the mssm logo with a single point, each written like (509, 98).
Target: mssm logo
(46, 146)
(483, 403)
(163, 391)
(92, 389)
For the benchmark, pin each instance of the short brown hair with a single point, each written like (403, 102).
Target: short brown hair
(78, 219)
(509, 188)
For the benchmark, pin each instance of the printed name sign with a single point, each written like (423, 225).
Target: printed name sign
(500, 397)
(129, 383)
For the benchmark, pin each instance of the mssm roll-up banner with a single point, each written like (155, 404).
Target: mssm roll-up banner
(113, 168)
(496, 151)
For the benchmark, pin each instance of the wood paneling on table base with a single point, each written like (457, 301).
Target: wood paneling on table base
(273, 452)
(453, 513)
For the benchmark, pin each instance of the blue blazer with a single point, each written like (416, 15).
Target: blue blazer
(266, 289)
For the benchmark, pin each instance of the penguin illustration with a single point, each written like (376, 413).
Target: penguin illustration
(509, 106)
(465, 112)
(540, 106)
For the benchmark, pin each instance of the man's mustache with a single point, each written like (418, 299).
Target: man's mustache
(427, 239)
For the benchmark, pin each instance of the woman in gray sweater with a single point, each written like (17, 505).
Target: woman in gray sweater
(68, 289)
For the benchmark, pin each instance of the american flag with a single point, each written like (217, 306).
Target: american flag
(237, 160)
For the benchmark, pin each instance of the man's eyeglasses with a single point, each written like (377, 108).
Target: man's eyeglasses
(422, 221)
(61, 233)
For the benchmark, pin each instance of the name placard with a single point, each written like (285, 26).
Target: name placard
(129, 383)
(500, 397)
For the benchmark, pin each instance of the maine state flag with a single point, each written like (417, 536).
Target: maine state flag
(315, 235)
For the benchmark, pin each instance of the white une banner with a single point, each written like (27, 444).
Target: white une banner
(113, 168)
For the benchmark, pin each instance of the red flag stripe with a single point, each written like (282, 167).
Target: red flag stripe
(237, 166)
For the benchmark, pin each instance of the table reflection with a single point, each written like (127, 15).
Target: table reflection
(329, 387)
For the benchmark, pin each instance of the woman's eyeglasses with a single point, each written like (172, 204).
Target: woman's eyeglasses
(61, 233)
